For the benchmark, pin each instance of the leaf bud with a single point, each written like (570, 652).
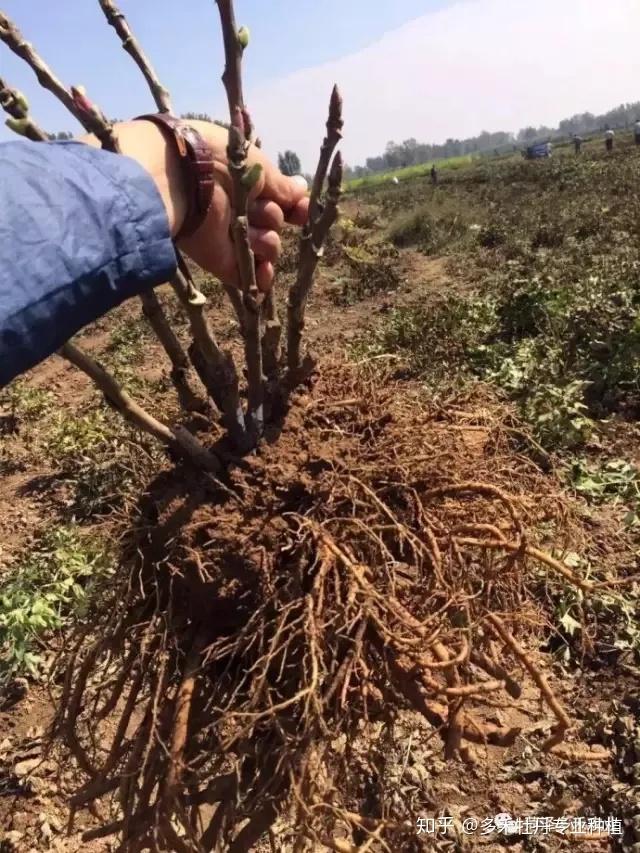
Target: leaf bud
(252, 176)
(243, 37)
(18, 125)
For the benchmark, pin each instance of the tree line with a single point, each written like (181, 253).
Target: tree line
(399, 155)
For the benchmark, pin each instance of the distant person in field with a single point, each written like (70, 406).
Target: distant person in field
(636, 131)
(609, 136)
(434, 175)
(82, 229)
(577, 143)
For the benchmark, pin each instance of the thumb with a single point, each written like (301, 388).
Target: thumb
(285, 191)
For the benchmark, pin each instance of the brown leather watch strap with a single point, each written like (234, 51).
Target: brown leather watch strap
(196, 159)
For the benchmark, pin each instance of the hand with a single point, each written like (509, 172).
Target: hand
(276, 199)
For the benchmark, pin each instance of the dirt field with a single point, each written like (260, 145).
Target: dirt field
(427, 376)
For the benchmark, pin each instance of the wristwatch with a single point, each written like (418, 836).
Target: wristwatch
(196, 161)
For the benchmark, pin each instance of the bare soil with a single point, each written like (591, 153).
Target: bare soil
(338, 420)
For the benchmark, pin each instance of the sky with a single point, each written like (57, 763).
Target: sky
(428, 69)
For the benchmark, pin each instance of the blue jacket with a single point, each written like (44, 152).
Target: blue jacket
(81, 230)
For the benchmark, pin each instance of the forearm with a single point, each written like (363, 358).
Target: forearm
(148, 145)
(80, 232)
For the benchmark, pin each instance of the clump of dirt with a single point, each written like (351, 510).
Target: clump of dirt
(375, 558)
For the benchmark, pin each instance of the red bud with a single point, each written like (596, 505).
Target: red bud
(80, 100)
(335, 107)
(335, 173)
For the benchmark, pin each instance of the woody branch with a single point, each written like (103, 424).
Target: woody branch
(132, 46)
(179, 440)
(94, 121)
(16, 105)
(161, 96)
(322, 215)
(14, 40)
(243, 179)
(215, 368)
(235, 41)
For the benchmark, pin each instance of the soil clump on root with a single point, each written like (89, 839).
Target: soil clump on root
(378, 555)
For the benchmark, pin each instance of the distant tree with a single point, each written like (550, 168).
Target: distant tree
(545, 132)
(289, 163)
(375, 164)
(527, 134)
(409, 151)
(61, 135)
(394, 156)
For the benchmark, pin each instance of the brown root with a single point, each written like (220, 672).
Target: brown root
(318, 590)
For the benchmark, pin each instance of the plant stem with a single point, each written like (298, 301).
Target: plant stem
(321, 218)
(10, 103)
(215, 368)
(15, 41)
(160, 94)
(132, 46)
(179, 439)
(239, 134)
(94, 121)
(271, 335)
(232, 75)
(157, 319)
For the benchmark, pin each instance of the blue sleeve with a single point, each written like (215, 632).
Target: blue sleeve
(81, 230)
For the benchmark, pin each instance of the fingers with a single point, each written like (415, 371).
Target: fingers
(266, 244)
(274, 200)
(273, 185)
(285, 191)
(266, 248)
(298, 214)
(266, 214)
(264, 276)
